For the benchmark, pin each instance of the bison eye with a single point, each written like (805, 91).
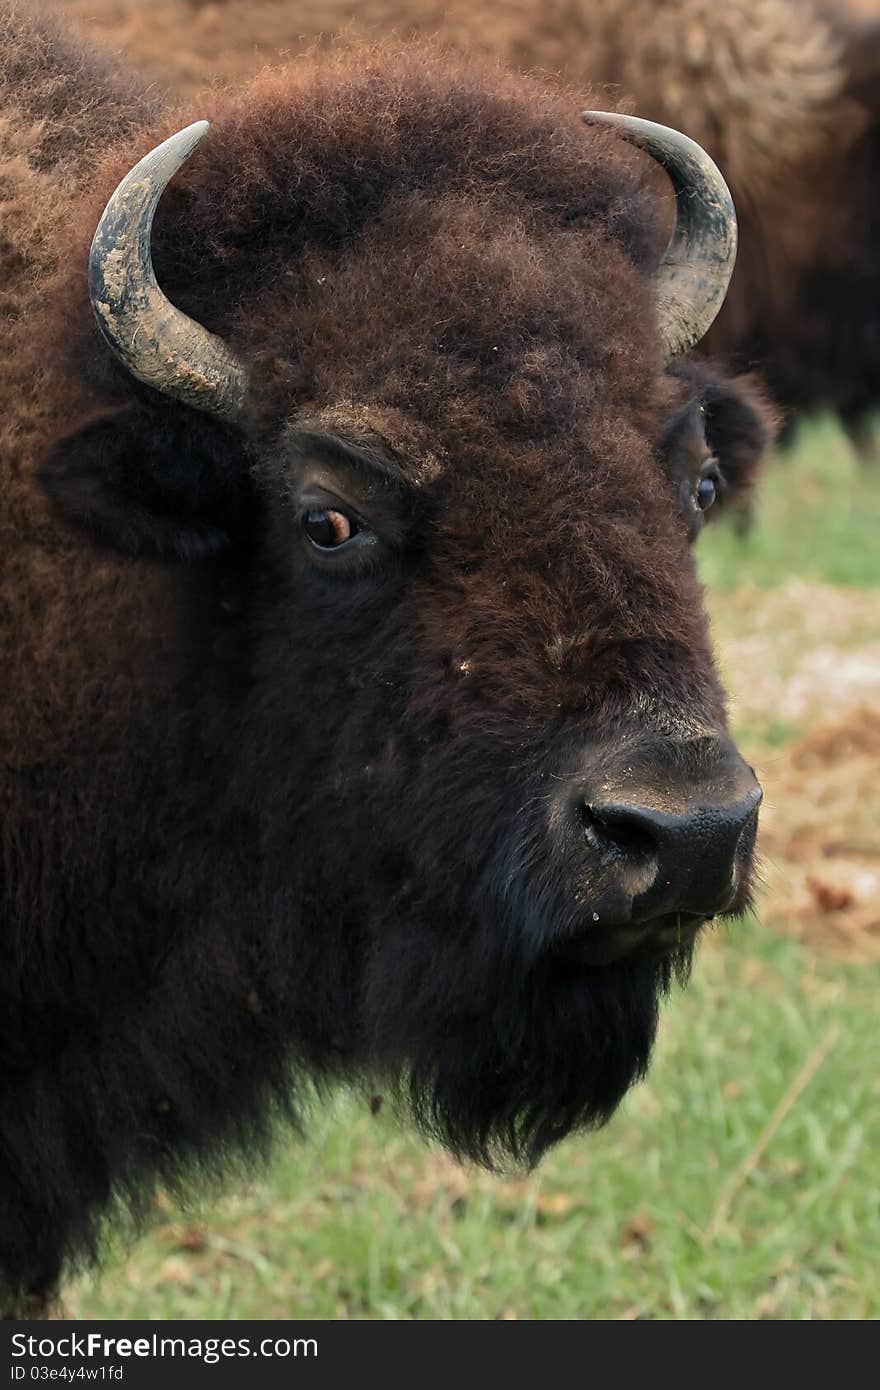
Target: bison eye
(710, 486)
(327, 528)
(705, 493)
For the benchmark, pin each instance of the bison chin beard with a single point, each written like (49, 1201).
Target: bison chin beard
(497, 1068)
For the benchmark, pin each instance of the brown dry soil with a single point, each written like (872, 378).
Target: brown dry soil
(802, 663)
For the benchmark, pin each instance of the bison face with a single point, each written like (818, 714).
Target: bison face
(468, 753)
(470, 739)
(489, 741)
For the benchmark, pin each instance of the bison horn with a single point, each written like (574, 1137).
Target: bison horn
(693, 277)
(159, 344)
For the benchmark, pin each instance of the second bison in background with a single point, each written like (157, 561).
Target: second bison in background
(360, 718)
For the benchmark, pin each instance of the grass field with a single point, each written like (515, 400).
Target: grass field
(742, 1180)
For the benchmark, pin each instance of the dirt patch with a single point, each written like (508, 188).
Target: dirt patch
(802, 663)
(799, 656)
(820, 837)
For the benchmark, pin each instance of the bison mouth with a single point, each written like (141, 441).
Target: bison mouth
(657, 939)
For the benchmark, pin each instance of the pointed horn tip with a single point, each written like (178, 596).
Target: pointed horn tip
(181, 144)
(637, 129)
(603, 117)
(194, 132)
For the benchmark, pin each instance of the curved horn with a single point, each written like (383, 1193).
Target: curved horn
(693, 276)
(158, 343)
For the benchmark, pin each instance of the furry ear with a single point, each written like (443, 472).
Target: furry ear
(741, 427)
(736, 424)
(160, 482)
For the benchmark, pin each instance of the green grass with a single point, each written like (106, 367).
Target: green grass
(720, 1189)
(817, 517)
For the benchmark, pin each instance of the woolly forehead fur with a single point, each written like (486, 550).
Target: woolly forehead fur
(380, 162)
(447, 259)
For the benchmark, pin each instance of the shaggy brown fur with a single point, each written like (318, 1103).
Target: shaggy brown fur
(262, 817)
(58, 111)
(781, 92)
(60, 106)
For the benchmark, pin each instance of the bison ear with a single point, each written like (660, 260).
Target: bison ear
(739, 427)
(159, 482)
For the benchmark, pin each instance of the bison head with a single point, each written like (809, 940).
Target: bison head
(460, 793)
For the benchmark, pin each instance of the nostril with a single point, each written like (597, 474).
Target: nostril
(621, 830)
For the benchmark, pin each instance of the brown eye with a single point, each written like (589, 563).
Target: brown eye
(327, 528)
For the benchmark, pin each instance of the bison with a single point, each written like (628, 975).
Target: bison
(360, 718)
(782, 93)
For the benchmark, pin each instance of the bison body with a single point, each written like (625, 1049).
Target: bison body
(344, 738)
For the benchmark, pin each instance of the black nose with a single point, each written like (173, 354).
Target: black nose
(682, 860)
